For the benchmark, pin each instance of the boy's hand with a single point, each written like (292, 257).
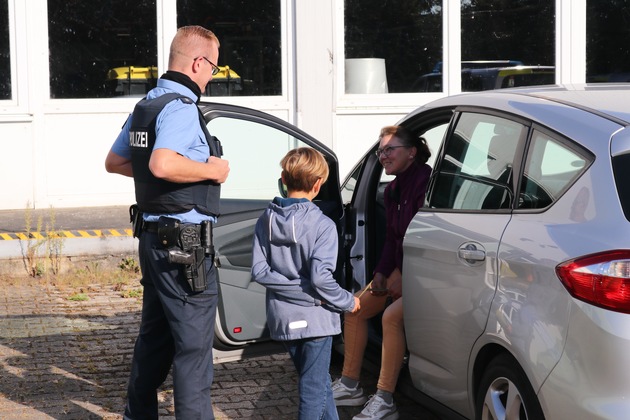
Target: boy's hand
(357, 305)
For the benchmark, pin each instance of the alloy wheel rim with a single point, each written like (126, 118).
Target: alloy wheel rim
(503, 401)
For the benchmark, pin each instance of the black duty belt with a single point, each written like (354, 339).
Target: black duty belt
(150, 226)
(153, 226)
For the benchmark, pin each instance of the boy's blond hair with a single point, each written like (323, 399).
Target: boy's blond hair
(302, 167)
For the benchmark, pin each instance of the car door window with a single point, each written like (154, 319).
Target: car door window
(434, 137)
(476, 171)
(347, 189)
(254, 151)
(551, 167)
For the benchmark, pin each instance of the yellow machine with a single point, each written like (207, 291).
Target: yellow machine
(131, 80)
(225, 83)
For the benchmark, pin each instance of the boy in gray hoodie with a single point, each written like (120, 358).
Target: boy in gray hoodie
(294, 257)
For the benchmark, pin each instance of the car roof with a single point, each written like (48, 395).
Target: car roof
(609, 101)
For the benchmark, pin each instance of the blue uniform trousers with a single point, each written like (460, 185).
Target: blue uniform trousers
(177, 330)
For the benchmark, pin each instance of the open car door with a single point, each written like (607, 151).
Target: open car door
(254, 143)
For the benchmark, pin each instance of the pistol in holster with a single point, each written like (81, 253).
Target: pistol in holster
(188, 244)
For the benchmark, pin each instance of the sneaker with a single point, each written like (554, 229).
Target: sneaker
(347, 397)
(377, 409)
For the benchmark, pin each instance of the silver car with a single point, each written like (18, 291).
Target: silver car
(516, 272)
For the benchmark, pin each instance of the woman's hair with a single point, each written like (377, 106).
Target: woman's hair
(407, 139)
(302, 167)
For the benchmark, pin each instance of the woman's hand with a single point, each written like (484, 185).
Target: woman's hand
(395, 289)
(394, 281)
(379, 285)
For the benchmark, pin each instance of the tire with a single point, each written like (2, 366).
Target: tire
(505, 393)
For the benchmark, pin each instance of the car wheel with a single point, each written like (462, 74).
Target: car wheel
(505, 393)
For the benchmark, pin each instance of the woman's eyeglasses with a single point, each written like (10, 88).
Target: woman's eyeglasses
(386, 151)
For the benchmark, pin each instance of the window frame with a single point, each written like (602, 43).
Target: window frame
(17, 103)
(451, 46)
(166, 16)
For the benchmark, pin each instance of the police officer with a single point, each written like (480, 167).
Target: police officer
(177, 171)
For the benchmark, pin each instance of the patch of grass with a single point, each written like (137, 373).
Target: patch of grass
(129, 265)
(37, 262)
(132, 293)
(81, 277)
(101, 273)
(31, 246)
(78, 297)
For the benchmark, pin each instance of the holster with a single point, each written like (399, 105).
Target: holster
(188, 244)
(168, 231)
(135, 217)
(196, 272)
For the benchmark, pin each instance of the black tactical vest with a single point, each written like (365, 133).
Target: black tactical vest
(159, 196)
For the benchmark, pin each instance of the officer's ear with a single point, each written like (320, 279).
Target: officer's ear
(196, 64)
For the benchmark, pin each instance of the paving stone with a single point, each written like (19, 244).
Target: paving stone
(61, 359)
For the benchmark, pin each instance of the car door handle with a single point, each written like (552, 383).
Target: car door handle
(470, 253)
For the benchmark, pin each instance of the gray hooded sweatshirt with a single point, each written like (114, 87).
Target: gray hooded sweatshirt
(294, 257)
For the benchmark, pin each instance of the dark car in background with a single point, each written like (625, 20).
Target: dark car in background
(487, 75)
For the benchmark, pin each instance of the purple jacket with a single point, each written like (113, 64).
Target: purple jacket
(403, 197)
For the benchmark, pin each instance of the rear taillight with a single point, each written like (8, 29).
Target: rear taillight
(601, 279)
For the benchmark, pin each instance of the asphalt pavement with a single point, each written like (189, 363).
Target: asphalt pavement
(65, 219)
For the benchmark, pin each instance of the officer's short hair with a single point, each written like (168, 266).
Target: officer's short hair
(186, 40)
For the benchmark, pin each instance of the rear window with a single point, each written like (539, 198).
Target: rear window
(551, 167)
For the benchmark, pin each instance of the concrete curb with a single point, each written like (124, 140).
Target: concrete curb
(82, 234)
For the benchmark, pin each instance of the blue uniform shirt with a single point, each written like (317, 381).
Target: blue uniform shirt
(177, 128)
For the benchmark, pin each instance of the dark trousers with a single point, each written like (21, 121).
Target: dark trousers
(177, 330)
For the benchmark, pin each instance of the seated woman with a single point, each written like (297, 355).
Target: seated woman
(404, 156)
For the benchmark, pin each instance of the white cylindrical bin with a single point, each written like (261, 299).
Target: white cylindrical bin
(366, 75)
